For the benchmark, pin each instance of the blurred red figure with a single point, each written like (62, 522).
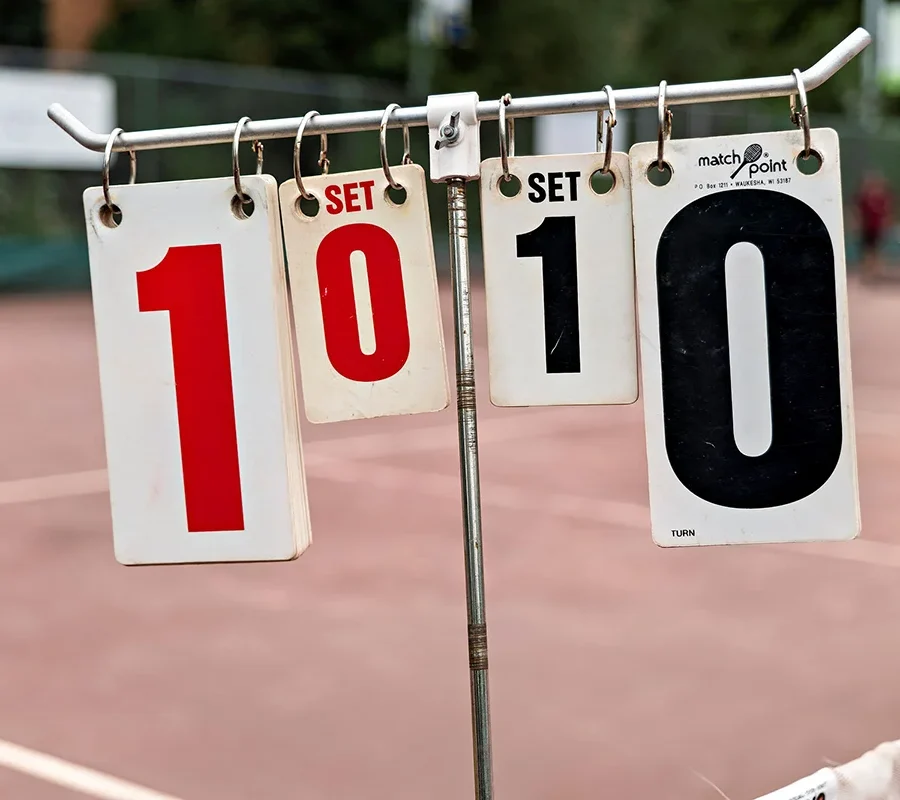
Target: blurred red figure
(874, 208)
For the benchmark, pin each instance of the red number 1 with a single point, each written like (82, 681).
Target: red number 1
(190, 285)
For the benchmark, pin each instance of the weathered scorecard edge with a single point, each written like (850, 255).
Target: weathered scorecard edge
(454, 120)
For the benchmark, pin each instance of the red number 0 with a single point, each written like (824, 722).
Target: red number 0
(190, 285)
(339, 309)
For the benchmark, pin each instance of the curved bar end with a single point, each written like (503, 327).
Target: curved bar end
(75, 128)
(837, 58)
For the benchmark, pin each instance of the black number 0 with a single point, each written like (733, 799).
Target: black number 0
(804, 370)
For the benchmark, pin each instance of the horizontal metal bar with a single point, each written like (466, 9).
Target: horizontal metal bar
(709, 92)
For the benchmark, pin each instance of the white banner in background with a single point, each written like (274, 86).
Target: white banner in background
(29, 139)
(442, 21)
(555, 134)
(888, 44)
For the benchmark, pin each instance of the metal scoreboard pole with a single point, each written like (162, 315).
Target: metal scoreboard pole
(453, 122)
(453, 133)
(471, 489)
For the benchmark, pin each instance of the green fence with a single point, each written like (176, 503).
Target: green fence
(42, 243)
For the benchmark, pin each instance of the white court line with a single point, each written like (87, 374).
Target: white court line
(334, 459)
(436, 437)
(613, 513)
(877, 423)
(322, 451)
(374, 445)
(71, 776)
(49, 487)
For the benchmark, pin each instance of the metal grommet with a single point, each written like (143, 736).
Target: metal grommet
(235, 162)
(107, 155)
(382, 142)
(800, 117)
(665, 126)
(610, 124)
(323, 154)
(507, 136)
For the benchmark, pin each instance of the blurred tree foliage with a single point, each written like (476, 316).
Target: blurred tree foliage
(21, 24)
(518, 46)
(355, 37)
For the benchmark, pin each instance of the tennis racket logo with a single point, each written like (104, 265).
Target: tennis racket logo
(751, 155)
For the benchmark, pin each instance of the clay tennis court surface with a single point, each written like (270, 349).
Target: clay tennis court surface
(617, 669)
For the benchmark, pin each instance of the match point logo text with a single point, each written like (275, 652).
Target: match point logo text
(754, 157)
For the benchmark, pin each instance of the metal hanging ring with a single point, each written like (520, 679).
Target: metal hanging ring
(610, 124)
(235, 161)
(800, 117)
(324, 162)
(665, 126)
(507, 136)
(107, 156)
(382, 142)
(407, 155)
(258, 147)
(323, 154)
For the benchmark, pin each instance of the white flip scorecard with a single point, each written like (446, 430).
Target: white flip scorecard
(745, 350)
(196, 374)
(365, 295)
(559, 282)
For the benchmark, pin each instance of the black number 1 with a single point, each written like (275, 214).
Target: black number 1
(553, 241)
